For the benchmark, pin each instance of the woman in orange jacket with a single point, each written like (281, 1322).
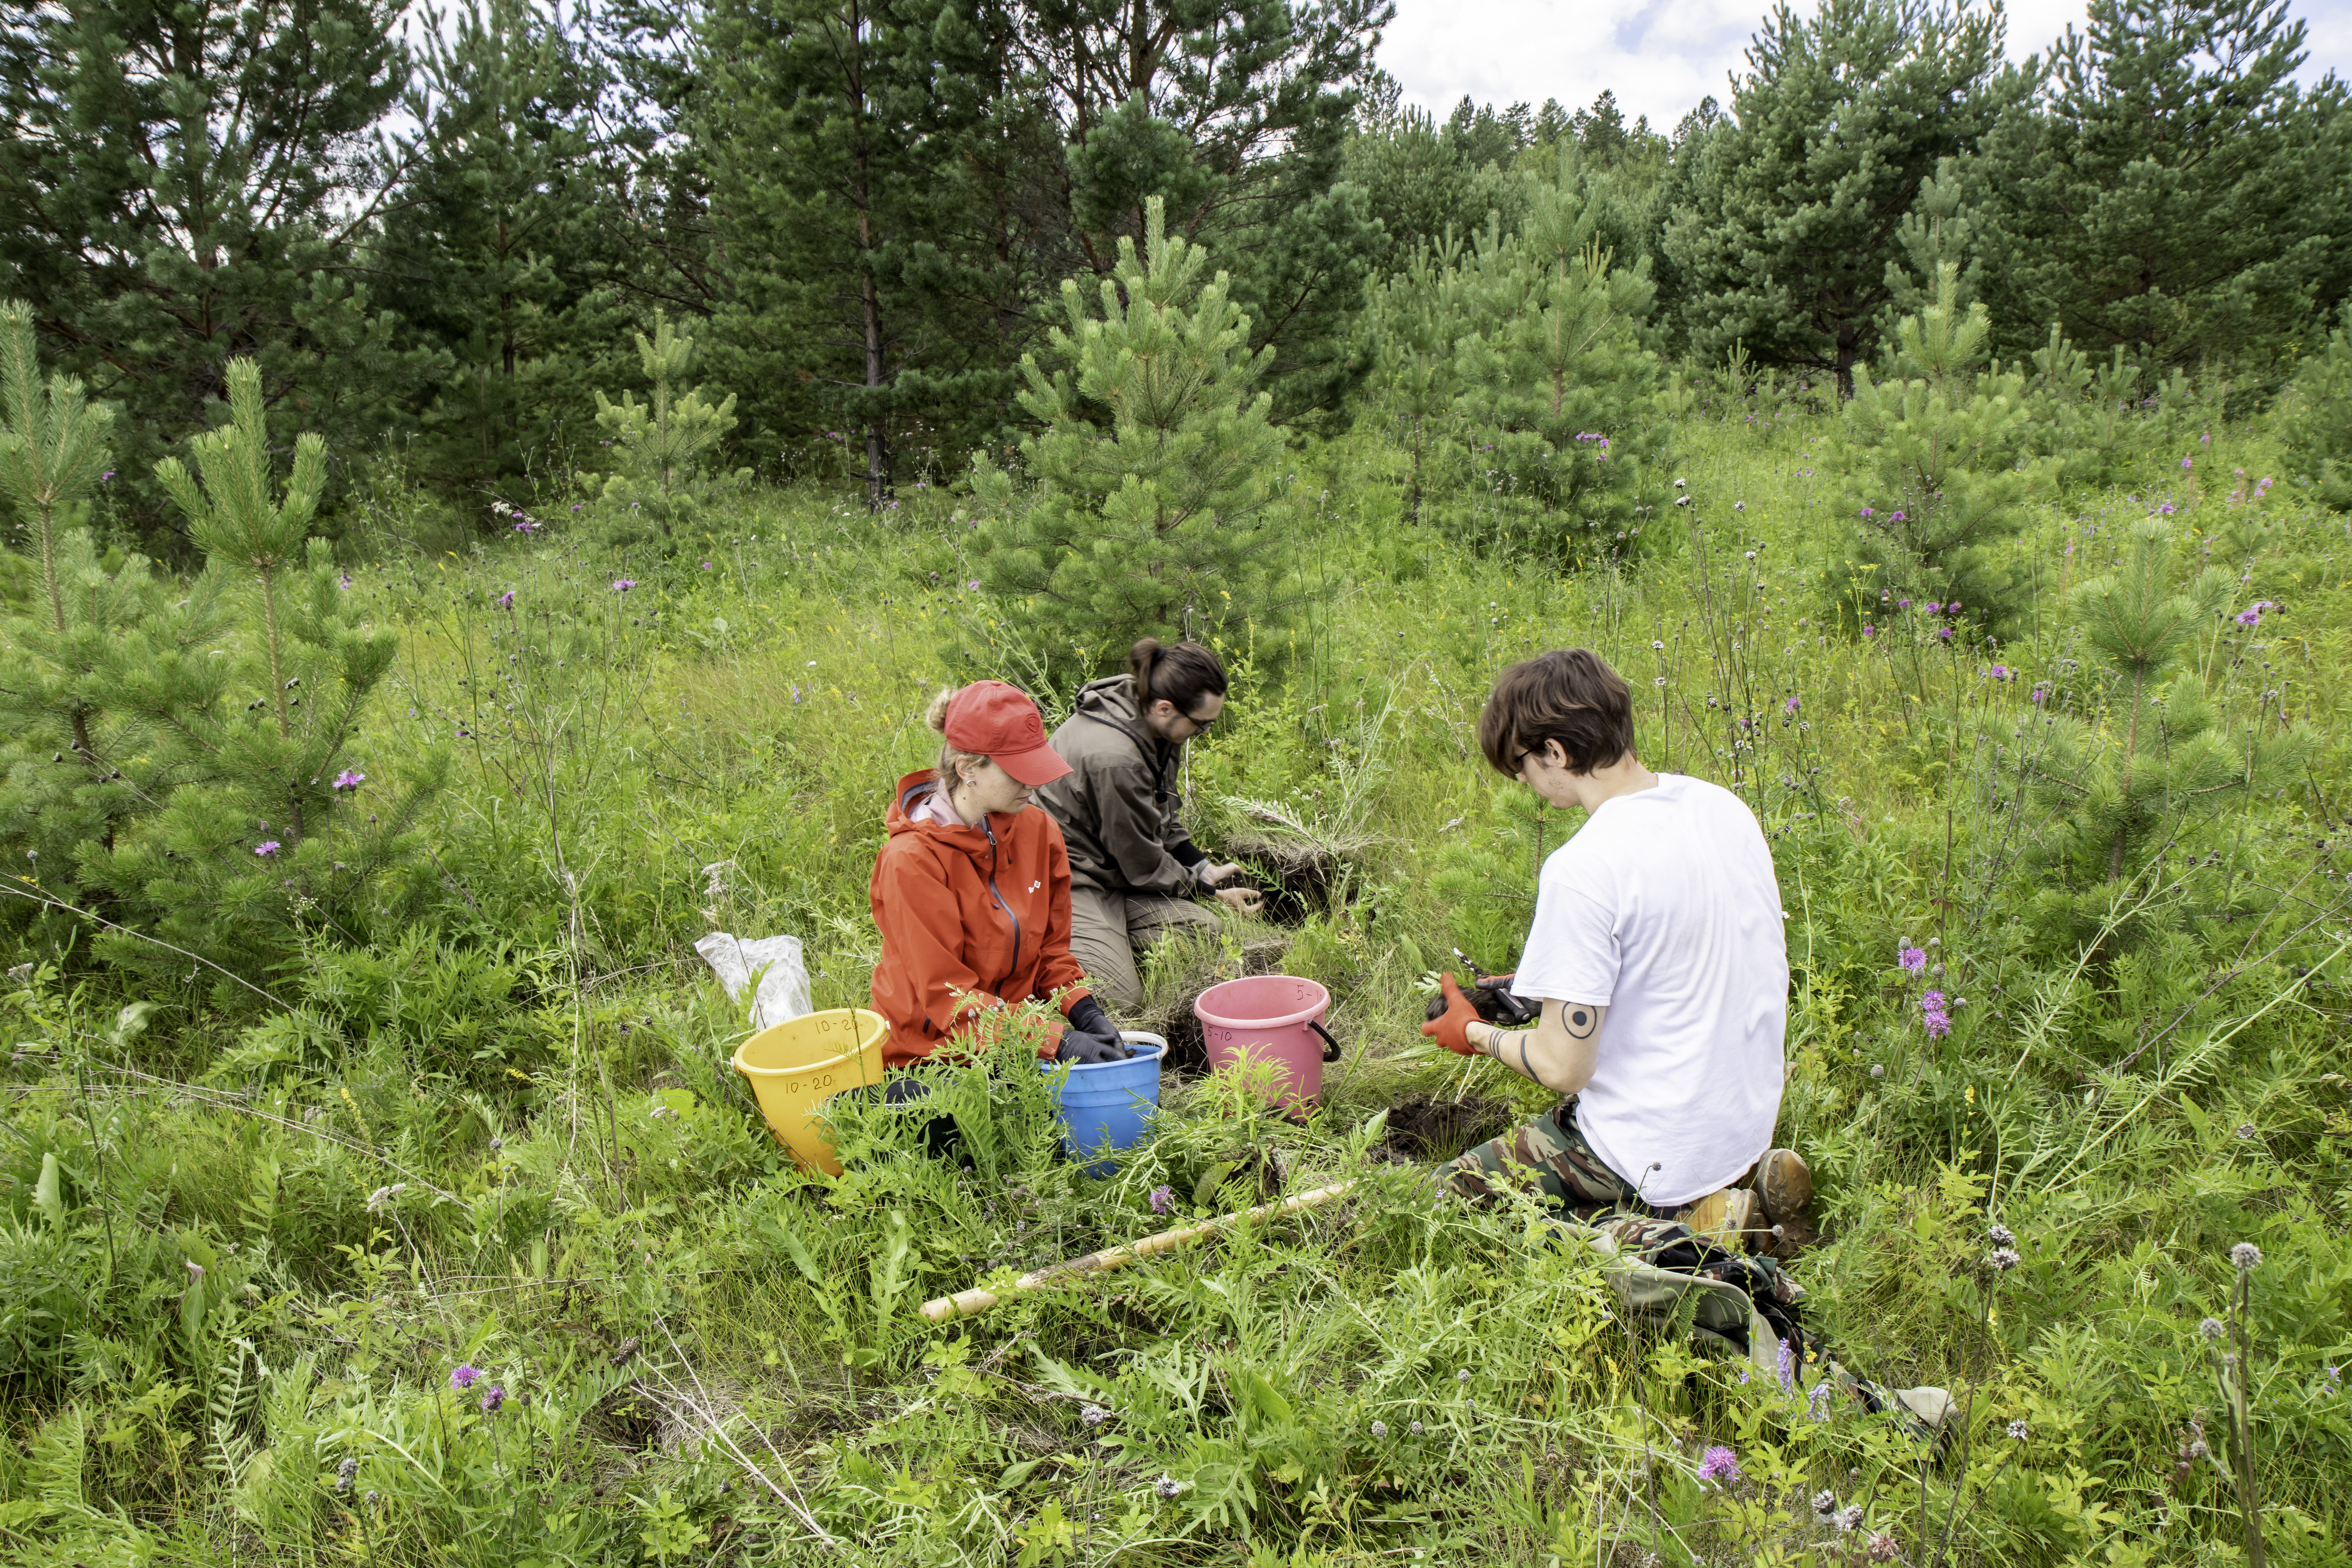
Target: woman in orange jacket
(972, 891)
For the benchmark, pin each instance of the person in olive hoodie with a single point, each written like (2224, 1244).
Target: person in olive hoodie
(1135, 872)
(972, 891)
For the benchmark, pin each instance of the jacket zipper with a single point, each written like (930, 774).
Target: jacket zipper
(1000, 904)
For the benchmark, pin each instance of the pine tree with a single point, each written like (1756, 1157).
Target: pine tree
(2083, 422)
(186, 185)
(658, 483)
(1928, 456)
(492, 253)
(1415, 321)
(1556, 386)
(1784, 221)
(64, 794)
(2146, 758)
(2317, 429)
(874, 189)
(1236, 113)
(256, 830)
(1420, 188)
(1155, 509)
(2180, 196)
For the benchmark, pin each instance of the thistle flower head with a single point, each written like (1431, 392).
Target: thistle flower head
(2246, 1256)
(1719, 1464)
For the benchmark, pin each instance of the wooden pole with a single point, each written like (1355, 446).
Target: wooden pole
(971, 1302)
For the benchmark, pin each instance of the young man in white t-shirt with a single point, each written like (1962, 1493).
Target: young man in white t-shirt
(1658, 954)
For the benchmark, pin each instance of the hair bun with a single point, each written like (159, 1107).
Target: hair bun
(936, 715)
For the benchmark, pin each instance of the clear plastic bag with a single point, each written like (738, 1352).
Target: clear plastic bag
(771, 968)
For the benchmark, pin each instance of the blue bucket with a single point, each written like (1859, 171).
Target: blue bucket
(1103, 1106)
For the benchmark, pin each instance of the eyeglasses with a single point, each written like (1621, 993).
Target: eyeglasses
(1200, 725)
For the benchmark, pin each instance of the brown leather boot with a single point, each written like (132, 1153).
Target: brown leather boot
(1785, 1188)
(1727, 1218)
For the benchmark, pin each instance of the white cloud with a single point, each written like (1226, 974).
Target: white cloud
(1661, 57)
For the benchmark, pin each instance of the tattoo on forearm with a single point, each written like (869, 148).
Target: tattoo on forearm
(1579, 1021)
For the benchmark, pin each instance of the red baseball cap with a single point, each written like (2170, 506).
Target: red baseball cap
(1001, 723)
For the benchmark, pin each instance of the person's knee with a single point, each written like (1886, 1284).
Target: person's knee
(1113, 986)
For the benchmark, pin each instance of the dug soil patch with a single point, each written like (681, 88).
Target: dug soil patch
(1429, 1129)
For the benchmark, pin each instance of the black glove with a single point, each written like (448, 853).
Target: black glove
(1090, 1037)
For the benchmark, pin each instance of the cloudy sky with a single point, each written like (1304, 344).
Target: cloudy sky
(1661, 57)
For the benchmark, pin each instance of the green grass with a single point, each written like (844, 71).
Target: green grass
(502, 1134)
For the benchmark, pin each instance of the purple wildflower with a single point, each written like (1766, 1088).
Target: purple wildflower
(1787, 1366)
(1866, 511)
(1913, 959)
(1719, 1464)
(1934, 608)
(1163, 1198)
(1898, 517)
(2040, 694)
(344, 582)
(349, 779)
(973, 584)
(506, 600)
(1790, 706)
(1869, 631)
(527, 525)
(2185, 462)
(623, 585)
(266, 848)
(464, 1377)
(492, 1398)
(2003, 672)
(1902, 603)
(1943, 633)
(1932, 1013)
(705, 567)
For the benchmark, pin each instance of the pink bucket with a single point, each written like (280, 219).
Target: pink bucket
(1275, 1018)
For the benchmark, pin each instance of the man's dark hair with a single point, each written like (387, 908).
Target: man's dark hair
(1183, 674)
(1569, 695)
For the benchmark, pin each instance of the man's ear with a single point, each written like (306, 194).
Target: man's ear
(1555, 755)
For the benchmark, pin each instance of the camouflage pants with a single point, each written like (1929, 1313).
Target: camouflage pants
(1550, 1153)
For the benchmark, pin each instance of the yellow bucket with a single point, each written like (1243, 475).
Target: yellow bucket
(797, 1066)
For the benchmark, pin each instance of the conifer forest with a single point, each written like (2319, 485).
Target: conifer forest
(486, 494)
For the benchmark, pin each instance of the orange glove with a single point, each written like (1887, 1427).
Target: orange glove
(1451, 1028)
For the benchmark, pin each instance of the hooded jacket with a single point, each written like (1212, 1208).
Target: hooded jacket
(1118, 805)
(972, 919)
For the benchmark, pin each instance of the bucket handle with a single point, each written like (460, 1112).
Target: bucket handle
(1330, 1041)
